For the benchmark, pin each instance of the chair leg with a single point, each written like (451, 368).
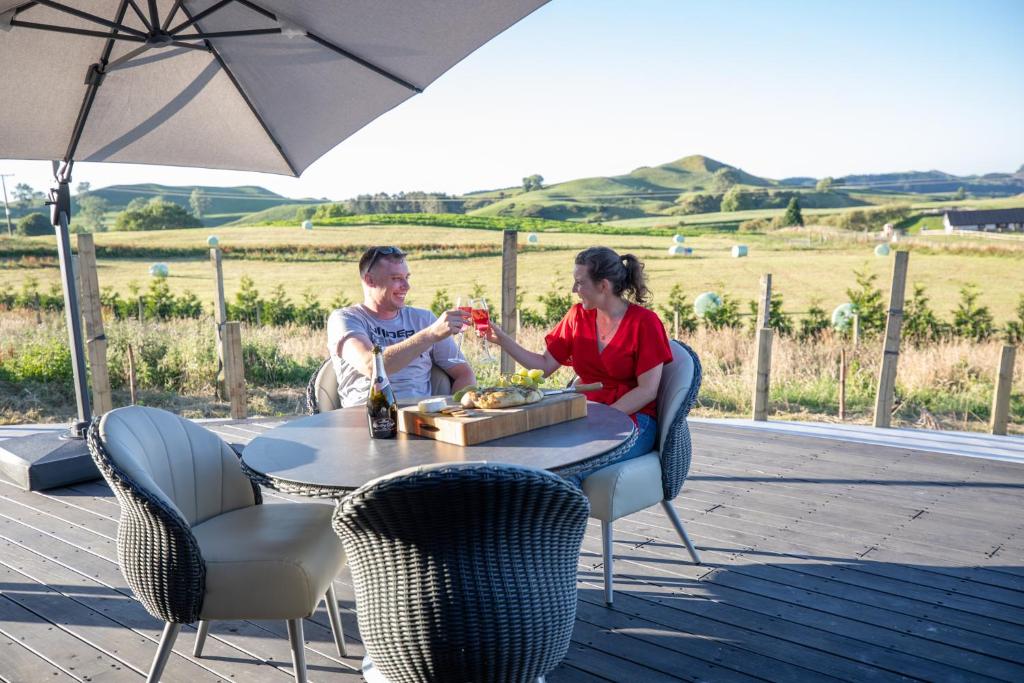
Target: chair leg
(678, 524)
(163, 652)
(298, 644)
(204, 628)
(606, 543)
(332, 611)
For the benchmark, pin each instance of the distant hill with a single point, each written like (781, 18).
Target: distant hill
(226, 203)
(925, 182)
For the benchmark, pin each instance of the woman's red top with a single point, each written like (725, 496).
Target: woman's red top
(638, 345)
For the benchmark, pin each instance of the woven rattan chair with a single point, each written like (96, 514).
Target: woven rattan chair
(633, 485)
(322, 389)
(464, 572)
(196, 544)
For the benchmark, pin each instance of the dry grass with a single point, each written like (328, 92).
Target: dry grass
(945, 386)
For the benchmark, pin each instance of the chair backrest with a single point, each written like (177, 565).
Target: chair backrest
(322, 390)
(464, 572)
(680, 382)
(168, 474)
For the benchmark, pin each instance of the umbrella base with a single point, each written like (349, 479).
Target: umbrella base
(45, 461)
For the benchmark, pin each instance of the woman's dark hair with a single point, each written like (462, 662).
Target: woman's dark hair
(625, 273)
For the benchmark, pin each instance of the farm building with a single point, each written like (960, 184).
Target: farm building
(996, 220)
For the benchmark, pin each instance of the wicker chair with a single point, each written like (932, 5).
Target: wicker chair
(322, 389)
(196, 544)
(627, 487)
(464, 572)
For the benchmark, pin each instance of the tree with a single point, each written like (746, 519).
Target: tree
(83, 188)
(699, 203)
(867, 301)
(824, 185)
(23, 194)
(961, 193)
(157, 214)
(199, 202)
(970, 320)
(92, 211)
(920, 324)
(737, 199)
(793, 214)
(724, 179)
(34, 224)
(533, 182)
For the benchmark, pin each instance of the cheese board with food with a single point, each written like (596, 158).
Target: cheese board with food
(486, 413)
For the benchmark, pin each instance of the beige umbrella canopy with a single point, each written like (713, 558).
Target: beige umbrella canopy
(261, 85)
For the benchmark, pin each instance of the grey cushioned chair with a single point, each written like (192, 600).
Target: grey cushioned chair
(627, 487)
(196, 544)
(464, 572)
(322, 389)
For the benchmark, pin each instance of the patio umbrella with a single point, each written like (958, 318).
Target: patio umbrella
(265, 85)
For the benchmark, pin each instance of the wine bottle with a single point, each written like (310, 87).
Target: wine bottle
(381, 406)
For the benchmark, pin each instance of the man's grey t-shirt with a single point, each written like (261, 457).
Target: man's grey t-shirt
(411, 381)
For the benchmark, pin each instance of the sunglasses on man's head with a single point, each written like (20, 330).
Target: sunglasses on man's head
(382, 251)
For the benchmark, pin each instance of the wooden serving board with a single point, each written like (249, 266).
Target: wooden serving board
(485, 425)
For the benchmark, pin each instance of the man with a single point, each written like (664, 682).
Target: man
(413, 339)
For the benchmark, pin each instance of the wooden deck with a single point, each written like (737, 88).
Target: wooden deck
(823, 560)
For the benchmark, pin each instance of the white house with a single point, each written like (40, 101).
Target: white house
(995, 220)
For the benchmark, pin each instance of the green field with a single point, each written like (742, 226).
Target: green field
(804, 271)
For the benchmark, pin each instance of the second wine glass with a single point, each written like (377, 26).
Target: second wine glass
(482, 322)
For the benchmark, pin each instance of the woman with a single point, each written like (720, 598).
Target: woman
(608, 337)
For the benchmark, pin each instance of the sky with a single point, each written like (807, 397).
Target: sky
(599, 87)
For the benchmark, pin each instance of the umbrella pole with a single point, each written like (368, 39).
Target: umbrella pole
(60, 209)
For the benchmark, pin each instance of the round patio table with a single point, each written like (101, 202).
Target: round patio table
(330, 454)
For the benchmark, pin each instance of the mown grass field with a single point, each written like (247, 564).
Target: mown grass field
(804, 269)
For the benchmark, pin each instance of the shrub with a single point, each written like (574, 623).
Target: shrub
(247, 301)
(814, 324)
(1015, 328)
(278, 309)
(699, 203)
(441, 302)
(266, 365)
(41, 360)
(970, 320)
(867, 300)
(304, 213)
(678, 304)
(920, 324)
(726, 315)
(310, 312)
(777, 319)
(556, 304)
(34, 224)
(160, 302)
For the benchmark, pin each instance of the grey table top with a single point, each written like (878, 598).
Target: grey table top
(333, 450)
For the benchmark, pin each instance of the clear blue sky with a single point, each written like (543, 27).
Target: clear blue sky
(599, 87)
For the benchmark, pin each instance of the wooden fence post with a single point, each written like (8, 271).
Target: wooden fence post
(220, 316)
(765, 303)
(39, 311)
(675, 323)
(762, 380)
(234, 370)
(856, 330)
(886, 394)
(142, 305)
(133, 384)
(508, 293)
(92, 318)
(1001, 396)
(842, 384)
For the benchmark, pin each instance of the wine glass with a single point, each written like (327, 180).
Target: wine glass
(462, 303)
(482, 321)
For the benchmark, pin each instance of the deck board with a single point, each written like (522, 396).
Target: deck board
(823, 560)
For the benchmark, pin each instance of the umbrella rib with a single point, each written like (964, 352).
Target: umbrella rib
(140, 15)
(94, 79)
(229, 34)
(193, 19)
(74, 31)
(92, 17)
(170, 15)
(362, 62)
(338, 49)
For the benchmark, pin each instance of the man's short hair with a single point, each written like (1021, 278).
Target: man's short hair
(374, 254)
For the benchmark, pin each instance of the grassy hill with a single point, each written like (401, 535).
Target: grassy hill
(226, 204)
